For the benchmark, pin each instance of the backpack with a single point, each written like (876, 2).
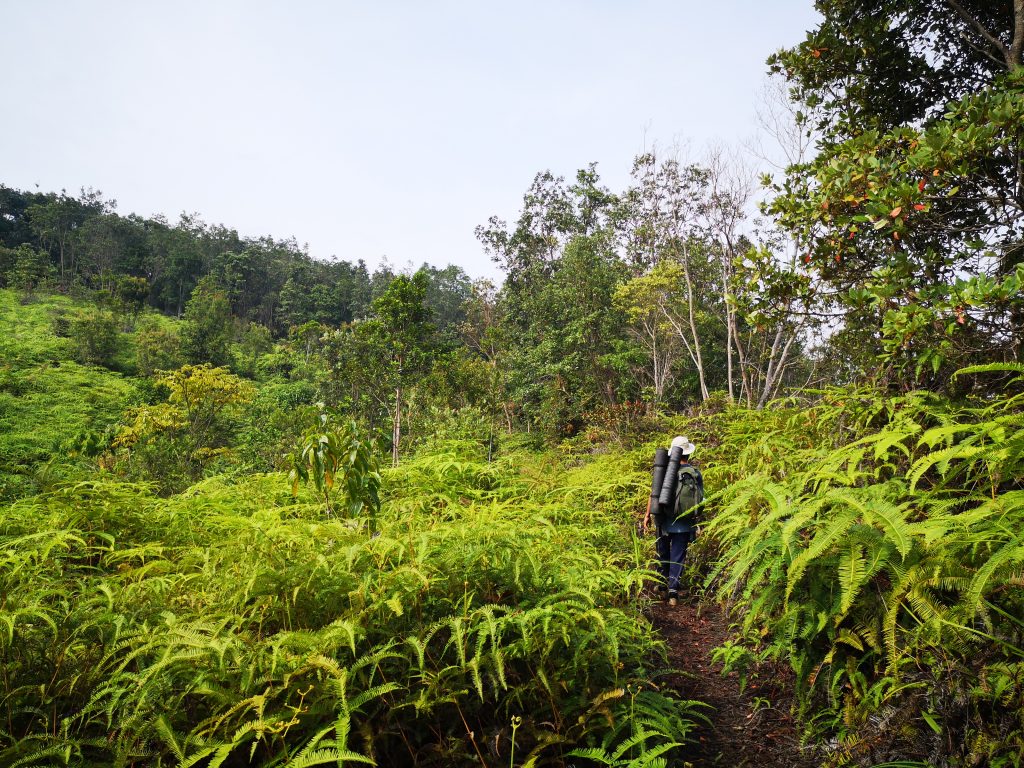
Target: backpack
(689, 493)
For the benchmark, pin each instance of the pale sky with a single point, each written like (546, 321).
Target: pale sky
(373, 129)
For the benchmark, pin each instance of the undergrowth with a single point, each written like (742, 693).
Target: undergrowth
(49, 403)
(875, 543)
(491, 619)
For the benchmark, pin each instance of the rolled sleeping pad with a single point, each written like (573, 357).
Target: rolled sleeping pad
(658, 477)
(668, 487)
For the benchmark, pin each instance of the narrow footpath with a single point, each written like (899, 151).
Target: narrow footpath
(748, 728)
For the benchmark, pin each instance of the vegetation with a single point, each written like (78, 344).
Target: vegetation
(494, 610)
(874, 542)
(50, 404)
(205, 562)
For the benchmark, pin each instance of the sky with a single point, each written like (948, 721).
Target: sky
(373, 130)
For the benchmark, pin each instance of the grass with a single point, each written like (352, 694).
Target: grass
(46, 399)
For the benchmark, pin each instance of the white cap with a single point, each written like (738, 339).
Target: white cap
(685, 444)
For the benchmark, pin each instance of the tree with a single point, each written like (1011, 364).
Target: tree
(207, 327)
(174, 441)
(528, 252)
(581, 325)
(874, 65)
(770, 300)
(913, 210)
(556, 318)
(95, 337)
(721, 211)
(130, 294)
(30, 269)
(15, 227)
(448, 290)
(357, 374)
(100, 244)
(481, 335)
(56, 223)
(332, 458)
(256, 341)
(157, 348)
(402, 334)
(294, 302)
(646, 301)
(660, 223)
(177, 261)
(675, 306)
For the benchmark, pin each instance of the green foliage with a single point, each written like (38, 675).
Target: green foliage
(274, 422)
(235, 625)
(46, 398)
(176, 441)
(874, 543)
(131, 292)
(207, 327)
(27, 269)
(255, 342)
(918, 110)
(338, 456)
(95, 336)
(157, 348)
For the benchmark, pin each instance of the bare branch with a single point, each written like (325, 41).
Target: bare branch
(977, 48)
(985, 31)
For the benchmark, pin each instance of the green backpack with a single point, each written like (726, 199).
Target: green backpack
(688, 493)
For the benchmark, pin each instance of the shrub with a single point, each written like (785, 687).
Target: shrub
(95, 337)
(873, 542)
(157, 348)
(233, 625)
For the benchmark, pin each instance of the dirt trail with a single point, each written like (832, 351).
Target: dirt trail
(748, 728)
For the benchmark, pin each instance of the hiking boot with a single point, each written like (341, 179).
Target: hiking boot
(672, 597)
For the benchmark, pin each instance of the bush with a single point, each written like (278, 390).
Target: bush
(60, 324)
(873, 543)
(273, 422)
(95, 337)
(157, 349)
(255, 342)
(235, 625)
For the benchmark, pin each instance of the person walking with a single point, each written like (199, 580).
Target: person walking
(678, 526)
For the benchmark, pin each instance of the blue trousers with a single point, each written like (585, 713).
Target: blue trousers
(671, 549)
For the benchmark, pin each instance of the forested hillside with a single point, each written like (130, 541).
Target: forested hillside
(262, 507)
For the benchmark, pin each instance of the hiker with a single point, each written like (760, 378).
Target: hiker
(678, 524)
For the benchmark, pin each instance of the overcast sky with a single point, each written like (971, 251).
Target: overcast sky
(373, 129)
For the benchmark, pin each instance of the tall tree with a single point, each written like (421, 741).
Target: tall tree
(880, 64)
(448, 290)
(662, 223)
(403, 337)
(913, 210)
(15, 227)
(57, 221)
(647, 301)
(555, 306)
(207, 327)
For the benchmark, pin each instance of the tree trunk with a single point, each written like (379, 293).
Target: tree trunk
(744, 369)
(728, 325)
(776, 364)
(697, 359)
(396, 429)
